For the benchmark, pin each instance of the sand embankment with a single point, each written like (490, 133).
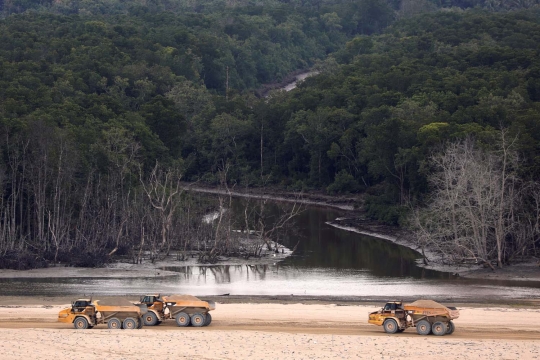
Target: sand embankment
(272, 331)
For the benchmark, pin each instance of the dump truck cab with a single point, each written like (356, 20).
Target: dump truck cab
(82, 314)
(156, 309)
(392, 310)
(152, 300)
(81, 305)
(392, 306)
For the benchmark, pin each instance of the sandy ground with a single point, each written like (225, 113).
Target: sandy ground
(271, 331)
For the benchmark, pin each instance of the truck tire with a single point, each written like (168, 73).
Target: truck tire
(182, 319)
(140, 323)
(390, 326)
(114, 324)
(208, 319)
(131, 324)
(423, 327)
(150, 319)
(439, 328)
(450, 328)
(198, 320)
(81, 323)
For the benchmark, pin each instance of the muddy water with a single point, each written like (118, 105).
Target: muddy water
(329, 261)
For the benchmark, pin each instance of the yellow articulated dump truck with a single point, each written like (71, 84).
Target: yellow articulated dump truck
(117, 314)
(427, 316)
(184, 309)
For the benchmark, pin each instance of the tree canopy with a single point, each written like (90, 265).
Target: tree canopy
(95, 86)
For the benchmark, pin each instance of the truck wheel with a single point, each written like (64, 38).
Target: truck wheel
(390, 326)
(131, 323)
(423, 327)
(140, 323)
(114, 323)
(150, 319)
(81, 323)
(450, 328)
(182, 319)
(208, 319)
(198, 320)
(439, 328)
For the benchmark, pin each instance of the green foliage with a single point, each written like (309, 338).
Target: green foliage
(158, 73)
(406, 93)
(384, 209)
(343, 183)
(176, 76)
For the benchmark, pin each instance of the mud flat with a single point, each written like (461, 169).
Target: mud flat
(279, 195)
(157, 269)
(527, 271)
(271, 331)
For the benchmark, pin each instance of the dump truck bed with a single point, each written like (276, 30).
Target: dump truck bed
(119, 308)
(189, 301)
(430, 308)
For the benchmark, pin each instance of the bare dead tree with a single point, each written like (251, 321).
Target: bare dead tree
(3, 229)
(60, 210)
(471, 211)
(17, 148)
(526, 213)
(264, 228)
(222, 232)
(506, 193)
(163, 191)
(53, 208)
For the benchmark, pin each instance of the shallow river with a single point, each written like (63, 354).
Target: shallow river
(329, 261)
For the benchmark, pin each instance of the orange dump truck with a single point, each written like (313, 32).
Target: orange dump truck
(185, 309)
(117, 314)
(427, 316)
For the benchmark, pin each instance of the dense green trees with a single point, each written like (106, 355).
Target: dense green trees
(174, 80)
(155, 74)
(93, 94)
(407, 92)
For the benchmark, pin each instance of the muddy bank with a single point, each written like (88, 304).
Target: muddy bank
(359, 224)
(288, 83)
(313, 198)
(527, 271)
(127, 269)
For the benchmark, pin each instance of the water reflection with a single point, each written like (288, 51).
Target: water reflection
(223, 274)
(323, 246)
(274, 280)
